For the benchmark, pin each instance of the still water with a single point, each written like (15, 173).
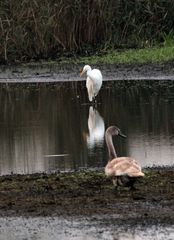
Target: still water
(46, 128)
(51, 228)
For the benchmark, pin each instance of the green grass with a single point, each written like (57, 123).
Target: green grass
(131, 56)
(146, 55)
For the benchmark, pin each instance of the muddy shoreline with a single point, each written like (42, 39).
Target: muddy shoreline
(89, 193)
(56, 72)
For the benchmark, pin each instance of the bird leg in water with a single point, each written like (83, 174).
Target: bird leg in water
(95, 100)
(95, 103)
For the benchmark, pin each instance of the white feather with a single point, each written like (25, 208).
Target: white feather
(93, 81)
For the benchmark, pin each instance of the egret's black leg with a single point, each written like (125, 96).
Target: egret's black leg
(94, 102)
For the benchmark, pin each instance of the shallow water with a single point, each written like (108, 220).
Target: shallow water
(49, 128)
(51, 228)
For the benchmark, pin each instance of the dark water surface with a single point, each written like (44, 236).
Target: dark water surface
(52, 127)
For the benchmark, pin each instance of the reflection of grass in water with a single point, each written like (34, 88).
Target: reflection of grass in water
(156, 86)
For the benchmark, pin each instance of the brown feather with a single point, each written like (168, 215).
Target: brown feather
(123, 166)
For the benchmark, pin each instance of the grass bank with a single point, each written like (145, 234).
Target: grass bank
(158, 54)
(43, 29)
(132, 56)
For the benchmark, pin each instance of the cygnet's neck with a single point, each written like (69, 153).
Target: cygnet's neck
(110, 145)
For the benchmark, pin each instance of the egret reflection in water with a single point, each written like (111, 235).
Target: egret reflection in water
(38, 121)
(96, 128)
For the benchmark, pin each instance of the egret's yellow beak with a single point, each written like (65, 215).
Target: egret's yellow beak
(81, 73)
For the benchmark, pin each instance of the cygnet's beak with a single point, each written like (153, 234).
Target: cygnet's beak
(81, 73)
(122, 135)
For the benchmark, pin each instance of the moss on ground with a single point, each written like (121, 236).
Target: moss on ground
(88, 192)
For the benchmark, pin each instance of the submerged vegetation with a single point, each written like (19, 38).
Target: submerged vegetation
(50, 29)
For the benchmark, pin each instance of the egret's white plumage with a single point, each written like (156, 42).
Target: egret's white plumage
(123, 170)
(93, 81)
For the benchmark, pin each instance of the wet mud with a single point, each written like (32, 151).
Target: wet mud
(56, 72)
(90, 193)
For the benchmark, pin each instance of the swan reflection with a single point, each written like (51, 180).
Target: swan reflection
(96, 128)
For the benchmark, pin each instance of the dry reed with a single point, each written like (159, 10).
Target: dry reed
(42, 29)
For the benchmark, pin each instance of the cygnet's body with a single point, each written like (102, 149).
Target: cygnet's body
(124, 171)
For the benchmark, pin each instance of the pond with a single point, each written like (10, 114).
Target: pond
(52, 127)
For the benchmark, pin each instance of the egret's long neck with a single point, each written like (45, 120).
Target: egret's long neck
(110, 145)
(88, 71)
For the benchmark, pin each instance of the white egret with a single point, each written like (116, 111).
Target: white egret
(124, 171)
(93, 81)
